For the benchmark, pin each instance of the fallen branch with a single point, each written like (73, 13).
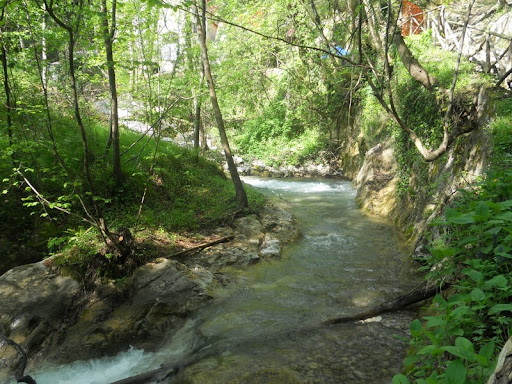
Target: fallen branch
(188, 251)
(420, 293)
(20, 372)
(146, 376)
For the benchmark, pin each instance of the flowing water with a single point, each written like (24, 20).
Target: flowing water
(265, 327)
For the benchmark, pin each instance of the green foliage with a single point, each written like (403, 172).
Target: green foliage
(278, 137)
(501, 130)
(475, 250)
(471, 245)
(182, 194)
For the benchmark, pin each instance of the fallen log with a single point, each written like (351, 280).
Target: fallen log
(420, 293)
(188, 251)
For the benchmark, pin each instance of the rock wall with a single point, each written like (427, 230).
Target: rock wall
(430, 185)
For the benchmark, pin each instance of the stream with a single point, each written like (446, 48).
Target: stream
(264, 327)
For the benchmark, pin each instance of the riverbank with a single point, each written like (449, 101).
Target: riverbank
(57, 319)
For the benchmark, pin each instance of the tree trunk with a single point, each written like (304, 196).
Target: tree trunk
(197, 121)
(114, 241)
(108, 35)
(239, 188)
(7, 89)
(412, 65)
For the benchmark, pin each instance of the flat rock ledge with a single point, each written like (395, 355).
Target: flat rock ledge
(56, 321)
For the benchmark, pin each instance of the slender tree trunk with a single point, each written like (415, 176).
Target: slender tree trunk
(240, 191)
(197, 121)
(41, 69)
(108, 35)
(7, 88)
(119, 243)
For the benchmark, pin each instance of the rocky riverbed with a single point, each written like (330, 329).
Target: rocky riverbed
(56, 320)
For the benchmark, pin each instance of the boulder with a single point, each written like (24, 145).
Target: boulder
(33, 301)
(377, 180)
(153, 301)
(270, 248)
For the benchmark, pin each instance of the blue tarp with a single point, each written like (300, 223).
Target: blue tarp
(337, 50)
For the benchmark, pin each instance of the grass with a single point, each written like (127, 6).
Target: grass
(180, 194)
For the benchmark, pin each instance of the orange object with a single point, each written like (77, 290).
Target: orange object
(412, 19)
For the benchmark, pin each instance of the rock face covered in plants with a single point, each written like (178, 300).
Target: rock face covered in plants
(376, 180)
(54, 319)
(411, 199)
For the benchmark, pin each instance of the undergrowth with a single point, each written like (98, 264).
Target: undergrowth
(179, 192)
(457, 339)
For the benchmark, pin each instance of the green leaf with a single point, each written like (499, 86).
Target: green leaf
(493, 231)
(400, 379)
(455, 373)
(482, 209)
(499, 281)
(416, 328)
(487, 350)
(450, 213)
(459, 352)
(435, 321)
(466, 218)
(427, 350)
(462, 342)
(474, 275)
(507, 216)
(500, 308)
(477, 294)
(463, 348)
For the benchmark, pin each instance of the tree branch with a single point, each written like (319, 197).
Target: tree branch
(219, 19)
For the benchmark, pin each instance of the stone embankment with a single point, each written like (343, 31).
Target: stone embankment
(56, 320)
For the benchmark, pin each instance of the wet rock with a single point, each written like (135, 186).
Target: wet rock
(308, 169)
(33, 301)
(255, 237)
(279, 223)
(270, 376)
(156, 299)
(270, 248)
(250, 228)
(377, 181)
(58, 322)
